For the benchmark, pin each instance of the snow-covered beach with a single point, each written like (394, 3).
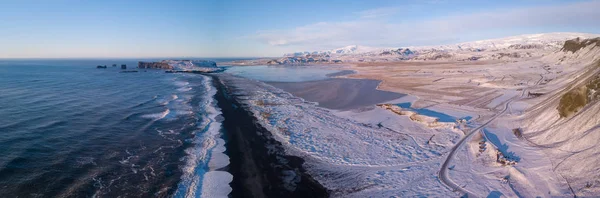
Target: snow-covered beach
(348, 152)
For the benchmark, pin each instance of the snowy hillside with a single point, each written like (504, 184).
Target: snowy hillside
(566, 123)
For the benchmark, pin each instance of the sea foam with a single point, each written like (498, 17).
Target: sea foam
(201, 178)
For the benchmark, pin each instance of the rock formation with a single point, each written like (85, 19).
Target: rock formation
(154, 65)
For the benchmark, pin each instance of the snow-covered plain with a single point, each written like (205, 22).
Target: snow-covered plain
(516, 145)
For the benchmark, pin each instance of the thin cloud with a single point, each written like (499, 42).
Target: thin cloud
(378, 12)
(368, 30)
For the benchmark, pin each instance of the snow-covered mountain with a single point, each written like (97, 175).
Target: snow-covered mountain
(529, 45)
(555, 39)
(351, 49)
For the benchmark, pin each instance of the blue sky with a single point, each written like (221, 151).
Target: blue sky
(239, 28)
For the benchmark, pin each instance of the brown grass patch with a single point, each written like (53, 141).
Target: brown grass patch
(572, 101)
(576, 44)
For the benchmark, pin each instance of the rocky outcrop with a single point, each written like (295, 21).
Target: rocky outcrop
(527, 46)
(397, 52)
(154, 65)
(431, 122)
(576, 44)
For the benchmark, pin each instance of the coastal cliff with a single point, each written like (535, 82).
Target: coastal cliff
(184, 65)
(154, 65)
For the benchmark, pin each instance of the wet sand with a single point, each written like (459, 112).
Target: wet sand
(339, 93)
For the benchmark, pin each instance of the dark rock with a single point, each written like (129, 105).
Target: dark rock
(576, 44)
(101, 66)
(526, 46)
(154, 65)
(123, 66)
(273, 62)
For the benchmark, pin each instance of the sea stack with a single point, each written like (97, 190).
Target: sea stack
(123, 66)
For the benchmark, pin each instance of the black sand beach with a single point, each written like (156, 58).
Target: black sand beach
(257, 161)
(339, 93)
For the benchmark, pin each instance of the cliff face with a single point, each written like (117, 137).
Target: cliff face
(154, 65)
(205, 63)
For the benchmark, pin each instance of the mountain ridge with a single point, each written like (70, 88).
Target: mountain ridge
(554, 39)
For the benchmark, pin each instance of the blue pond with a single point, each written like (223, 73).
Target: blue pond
(441, 116)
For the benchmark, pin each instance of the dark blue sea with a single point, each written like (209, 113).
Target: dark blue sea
(68, 129)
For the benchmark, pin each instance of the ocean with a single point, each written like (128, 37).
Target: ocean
(68, 129)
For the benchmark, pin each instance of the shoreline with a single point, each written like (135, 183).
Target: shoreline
(258, 163)
(344, 71)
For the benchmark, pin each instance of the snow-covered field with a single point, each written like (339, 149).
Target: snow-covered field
(516, 144)
(348, 152)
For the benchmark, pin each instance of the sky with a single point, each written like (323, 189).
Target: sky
(269, 28)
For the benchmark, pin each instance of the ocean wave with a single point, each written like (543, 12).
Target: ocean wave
(157, 116)
(145, 102)
(184, 89)
(166, 100)
(181, 83)
(201, 177)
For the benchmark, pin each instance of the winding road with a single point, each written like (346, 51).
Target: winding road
(443, 173)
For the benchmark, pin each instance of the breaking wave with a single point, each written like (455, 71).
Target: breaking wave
(201, 176)
(157, 116)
